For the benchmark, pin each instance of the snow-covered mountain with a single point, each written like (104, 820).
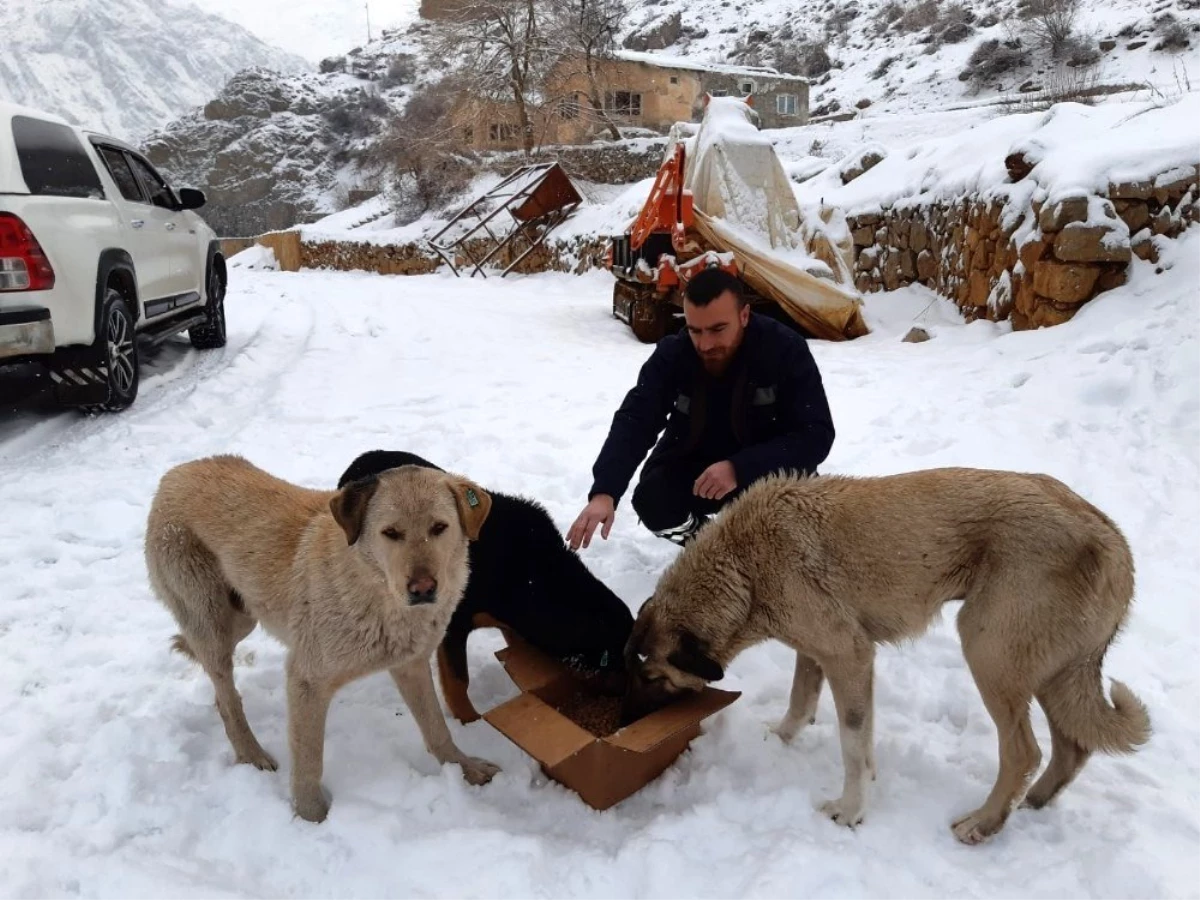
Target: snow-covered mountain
(315, 29)
(123, 66)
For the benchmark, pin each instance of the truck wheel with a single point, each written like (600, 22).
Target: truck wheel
(115, 355)
(211, 334)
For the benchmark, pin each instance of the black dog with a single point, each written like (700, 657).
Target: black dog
(525, 581)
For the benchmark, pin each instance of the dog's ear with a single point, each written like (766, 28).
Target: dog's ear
(349, 505)
(692, 657)
(474, 504)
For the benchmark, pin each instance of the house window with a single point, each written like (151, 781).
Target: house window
(719, 92)
(674, 79)
(568, 109)
(623, 103)
(747, 88)
(785, 104)
(502, 131)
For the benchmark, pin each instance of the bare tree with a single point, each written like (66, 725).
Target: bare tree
(422, 154)
(502, 51)
(1052, 22)
(584, 37)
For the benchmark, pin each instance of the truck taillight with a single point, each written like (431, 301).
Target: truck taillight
(23, 265)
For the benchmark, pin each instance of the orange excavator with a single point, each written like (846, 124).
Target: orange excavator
(654, 260)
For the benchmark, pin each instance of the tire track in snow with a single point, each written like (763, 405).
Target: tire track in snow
(188, 398)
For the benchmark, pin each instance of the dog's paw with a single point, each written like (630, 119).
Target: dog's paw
(312, 804)
(259, 758)
(788, 728)
(478, 771)
(785, 730)
(1035, 800)
(975, 828)
(848, 817)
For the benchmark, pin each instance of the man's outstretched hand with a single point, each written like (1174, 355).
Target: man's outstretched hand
(601, 510)
(716, 481)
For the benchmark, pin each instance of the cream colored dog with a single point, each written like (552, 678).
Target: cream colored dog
(351, 582)
(832, 566)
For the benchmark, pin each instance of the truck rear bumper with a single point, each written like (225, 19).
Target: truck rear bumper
(26, 331)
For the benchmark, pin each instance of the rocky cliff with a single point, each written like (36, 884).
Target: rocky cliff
(271, 150)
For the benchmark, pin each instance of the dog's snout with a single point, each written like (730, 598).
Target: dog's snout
(422, 588)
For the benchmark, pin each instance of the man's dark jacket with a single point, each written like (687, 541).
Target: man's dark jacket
(780, 415)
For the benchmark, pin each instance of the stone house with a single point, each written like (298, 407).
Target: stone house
(638, 90)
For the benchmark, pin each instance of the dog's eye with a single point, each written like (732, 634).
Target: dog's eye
(392, 534)
(438, 528)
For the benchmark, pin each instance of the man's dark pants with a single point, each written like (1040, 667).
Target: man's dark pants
(665, 503)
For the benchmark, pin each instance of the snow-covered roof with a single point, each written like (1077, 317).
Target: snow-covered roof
(695, 65)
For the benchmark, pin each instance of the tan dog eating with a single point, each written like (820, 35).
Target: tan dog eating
(832, 566)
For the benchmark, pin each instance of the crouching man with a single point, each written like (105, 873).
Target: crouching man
(740, 397)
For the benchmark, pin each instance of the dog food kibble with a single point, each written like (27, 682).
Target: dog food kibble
(595, 713)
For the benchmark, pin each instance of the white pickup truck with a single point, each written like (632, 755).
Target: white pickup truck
(98, 253)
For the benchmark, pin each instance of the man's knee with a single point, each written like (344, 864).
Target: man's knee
(658, 500)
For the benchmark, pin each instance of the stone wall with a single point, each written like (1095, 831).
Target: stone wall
(385, 259)
(577, 254)
(602, 163)
(1036, 264)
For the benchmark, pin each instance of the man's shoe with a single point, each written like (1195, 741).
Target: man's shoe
(683, 534)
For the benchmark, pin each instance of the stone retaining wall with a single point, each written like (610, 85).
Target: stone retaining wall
(385, 259)
(1036, 265)
(576, 254)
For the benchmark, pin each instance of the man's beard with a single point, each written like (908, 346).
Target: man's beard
(717, 364)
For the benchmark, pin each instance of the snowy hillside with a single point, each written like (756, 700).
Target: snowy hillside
(271, 149)
(909, 54)
(122, 66)
(313, 29)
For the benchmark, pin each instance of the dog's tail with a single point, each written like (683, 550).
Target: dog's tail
(1074, 702)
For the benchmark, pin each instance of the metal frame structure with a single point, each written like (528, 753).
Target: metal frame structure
(538, 198)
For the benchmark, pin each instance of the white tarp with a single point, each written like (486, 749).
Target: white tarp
(744, 203)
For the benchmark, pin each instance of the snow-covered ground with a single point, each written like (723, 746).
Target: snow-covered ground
(1074, 149)
(117, 779)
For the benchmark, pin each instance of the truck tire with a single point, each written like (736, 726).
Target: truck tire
(211, 335)
(114, 355)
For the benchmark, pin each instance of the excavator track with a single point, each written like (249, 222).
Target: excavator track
(648, 313)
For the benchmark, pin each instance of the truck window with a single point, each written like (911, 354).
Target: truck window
(118, 168)
(53, 160)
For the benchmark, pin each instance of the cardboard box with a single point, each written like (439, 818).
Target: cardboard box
(603, 771)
